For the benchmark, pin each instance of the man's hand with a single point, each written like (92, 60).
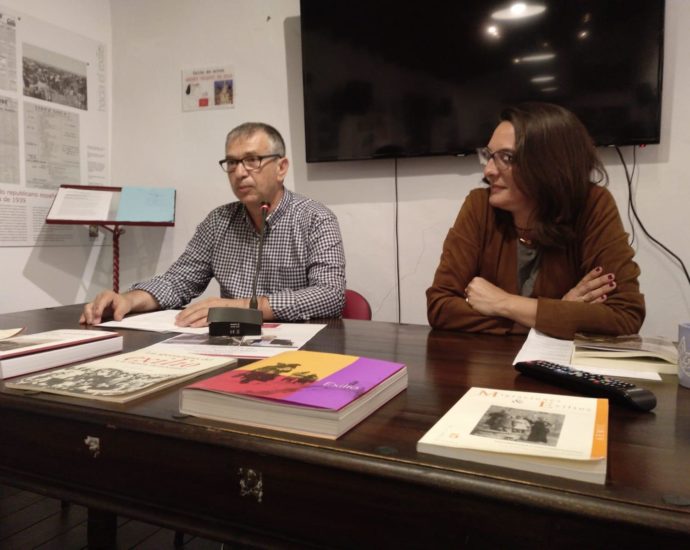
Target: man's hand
(111, 304)
(108, 304)
(593, 288)
(196, 314)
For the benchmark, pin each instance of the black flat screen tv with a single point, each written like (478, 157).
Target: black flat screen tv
(386, 78)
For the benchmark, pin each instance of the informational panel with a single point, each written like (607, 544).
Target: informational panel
(53, 126)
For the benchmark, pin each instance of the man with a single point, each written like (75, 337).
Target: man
(303, 264)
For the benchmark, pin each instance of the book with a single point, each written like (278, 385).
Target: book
(632, 352)
(555, 435)
(305, 392)
(28, 353)
(124, 377)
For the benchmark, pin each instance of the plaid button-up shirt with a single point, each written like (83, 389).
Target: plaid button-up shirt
(302, 269)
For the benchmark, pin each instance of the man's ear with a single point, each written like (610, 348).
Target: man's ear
(283, 165)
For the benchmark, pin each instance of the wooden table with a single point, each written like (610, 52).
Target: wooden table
(370, 488)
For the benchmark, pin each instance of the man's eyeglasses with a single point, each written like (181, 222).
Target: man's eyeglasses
(503, 158)
(250, 163)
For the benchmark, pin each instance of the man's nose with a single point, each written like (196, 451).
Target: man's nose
(240, 170)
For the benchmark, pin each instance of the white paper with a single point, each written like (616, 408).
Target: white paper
(275, 338)
(156, 321)
(539, 347)
(164, 321)
(81, 204)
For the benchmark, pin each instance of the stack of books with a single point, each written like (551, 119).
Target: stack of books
(632, 352)
(305, 392)
(44, 350)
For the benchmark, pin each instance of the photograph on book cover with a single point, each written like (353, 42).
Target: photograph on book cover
(87, 381)
(121, 377)
(513, 424)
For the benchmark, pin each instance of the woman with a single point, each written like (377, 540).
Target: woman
(543, 246)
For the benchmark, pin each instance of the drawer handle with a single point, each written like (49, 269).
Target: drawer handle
(251, 483)
(93, 444)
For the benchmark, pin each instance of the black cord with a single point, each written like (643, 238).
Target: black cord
(631, 205)
(397, 241)
(631, 193)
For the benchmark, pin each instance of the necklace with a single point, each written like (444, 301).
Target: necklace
(523, 231)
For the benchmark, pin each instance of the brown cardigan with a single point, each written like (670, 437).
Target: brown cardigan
(475, 246)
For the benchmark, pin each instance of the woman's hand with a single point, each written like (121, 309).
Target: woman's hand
(593, 288)
(485, 297)
(488, 299)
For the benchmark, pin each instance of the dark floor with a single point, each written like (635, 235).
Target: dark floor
(28, 520)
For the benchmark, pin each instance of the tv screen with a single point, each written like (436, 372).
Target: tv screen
(385, 78)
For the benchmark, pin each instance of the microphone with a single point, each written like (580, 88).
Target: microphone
(228, 322)
(253, 302)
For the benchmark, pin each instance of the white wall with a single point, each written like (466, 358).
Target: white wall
(154, 143)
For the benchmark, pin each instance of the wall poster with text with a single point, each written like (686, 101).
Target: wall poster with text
(210, 88)
(53, 126)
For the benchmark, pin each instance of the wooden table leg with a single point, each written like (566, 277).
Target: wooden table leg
(101, 530)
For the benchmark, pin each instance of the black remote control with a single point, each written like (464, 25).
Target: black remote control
(595, 385)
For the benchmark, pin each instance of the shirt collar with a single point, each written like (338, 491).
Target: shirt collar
(282, 207)
(276, 213)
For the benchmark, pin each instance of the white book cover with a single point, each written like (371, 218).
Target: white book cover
(28, 353)
(25, 344)
(525, 430)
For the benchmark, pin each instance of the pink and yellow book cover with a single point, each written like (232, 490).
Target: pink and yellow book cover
(306, 378)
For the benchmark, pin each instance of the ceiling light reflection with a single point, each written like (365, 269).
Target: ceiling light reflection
(534, 58)
(518, 10)
(493, 31)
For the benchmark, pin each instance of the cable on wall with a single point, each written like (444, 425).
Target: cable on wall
(631, 193)
(631, 207)
(397, 241)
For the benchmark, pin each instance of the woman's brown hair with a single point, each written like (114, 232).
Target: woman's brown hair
(555, 164)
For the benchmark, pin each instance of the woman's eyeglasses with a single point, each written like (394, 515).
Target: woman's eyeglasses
(503, 158)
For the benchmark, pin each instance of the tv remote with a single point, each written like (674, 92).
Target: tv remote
(595, 385)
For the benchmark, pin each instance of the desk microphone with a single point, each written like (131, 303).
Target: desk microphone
(253, 302)
(236, 321)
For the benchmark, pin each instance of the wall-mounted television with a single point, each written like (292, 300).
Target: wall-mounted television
(386, 78)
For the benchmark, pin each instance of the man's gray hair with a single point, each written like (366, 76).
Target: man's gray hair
(248, 129)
